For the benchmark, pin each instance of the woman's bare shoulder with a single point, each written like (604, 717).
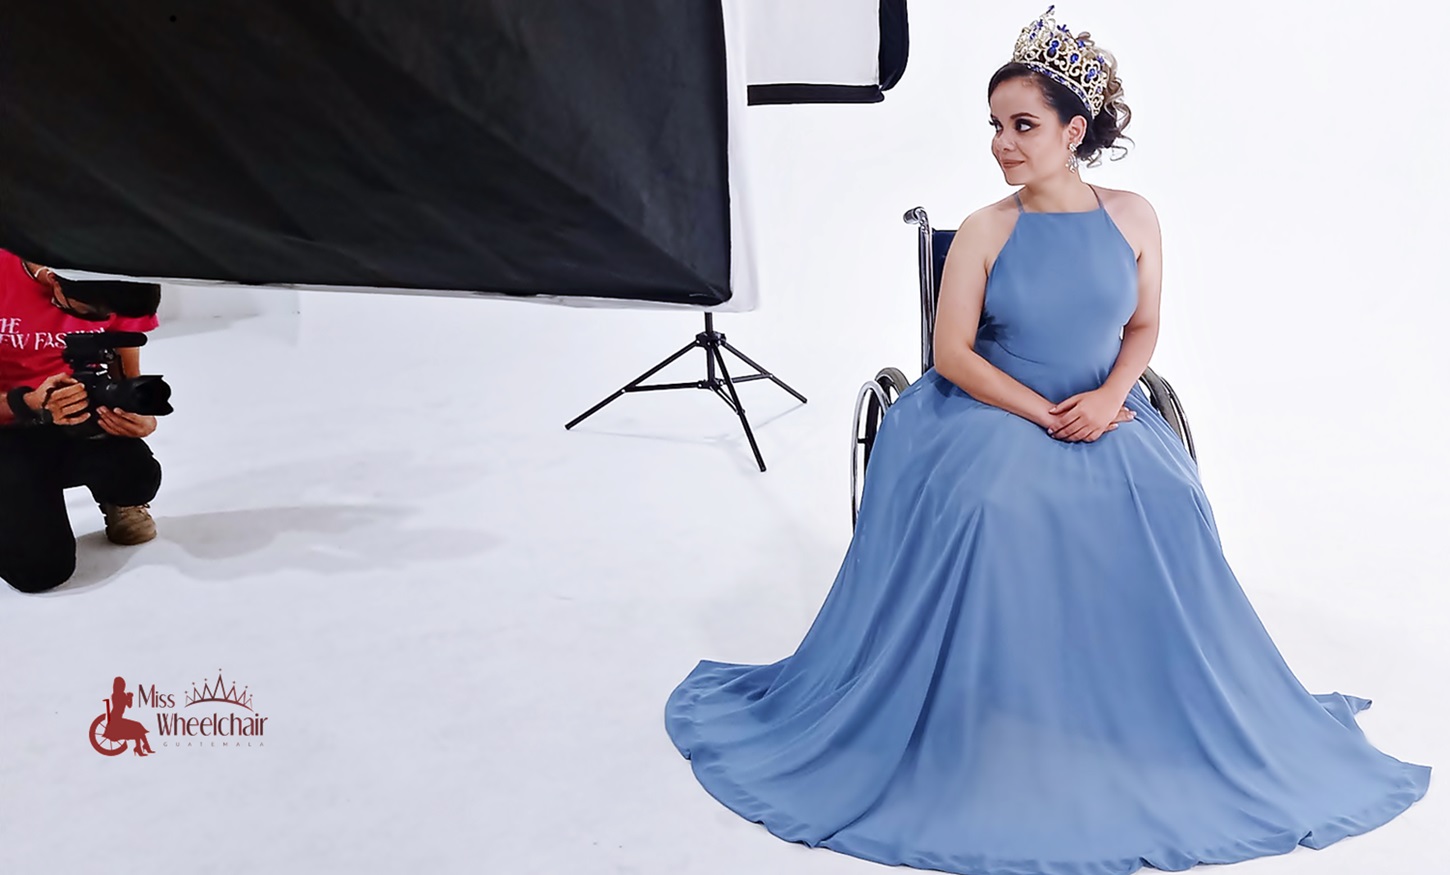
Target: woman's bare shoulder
(988, 226)
(1134, 215)
(984, 231)
(1130, 204)
(993, 213)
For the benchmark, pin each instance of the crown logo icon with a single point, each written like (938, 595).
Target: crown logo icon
(1052, 50)
(219, 692)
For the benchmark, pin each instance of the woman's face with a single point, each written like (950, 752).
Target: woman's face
(1029, 143)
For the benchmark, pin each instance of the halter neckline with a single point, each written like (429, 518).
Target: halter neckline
(1017, 196)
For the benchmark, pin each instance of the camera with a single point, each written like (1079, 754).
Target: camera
(92, 358)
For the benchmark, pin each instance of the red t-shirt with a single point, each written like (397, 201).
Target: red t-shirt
(32, 329)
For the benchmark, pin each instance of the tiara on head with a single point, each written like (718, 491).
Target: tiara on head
(1052, 50)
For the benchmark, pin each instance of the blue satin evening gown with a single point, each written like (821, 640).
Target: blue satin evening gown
(1034, 657)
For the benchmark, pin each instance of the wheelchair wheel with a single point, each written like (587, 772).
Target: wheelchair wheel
(871, 404)
(102, 744)
(1166, 402)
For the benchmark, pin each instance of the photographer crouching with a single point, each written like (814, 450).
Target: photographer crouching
(62, 423)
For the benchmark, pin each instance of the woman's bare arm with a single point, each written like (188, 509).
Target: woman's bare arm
(1140, 335)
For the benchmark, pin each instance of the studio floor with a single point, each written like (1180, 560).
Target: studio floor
(462, 621)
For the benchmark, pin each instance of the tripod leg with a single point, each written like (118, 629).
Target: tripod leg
(772, 377)
(633, 383)
(714, 350)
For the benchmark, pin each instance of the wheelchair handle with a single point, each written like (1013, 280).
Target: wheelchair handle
(916, 215)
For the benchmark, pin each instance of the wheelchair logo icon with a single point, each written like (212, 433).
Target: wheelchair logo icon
(112, 732)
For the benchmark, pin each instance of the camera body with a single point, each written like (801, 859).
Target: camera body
(92, 358)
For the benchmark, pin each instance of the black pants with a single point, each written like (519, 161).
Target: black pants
(37, 465)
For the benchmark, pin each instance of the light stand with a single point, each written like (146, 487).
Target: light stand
(723, 385)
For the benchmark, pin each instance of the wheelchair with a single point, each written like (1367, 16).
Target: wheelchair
(888, 384)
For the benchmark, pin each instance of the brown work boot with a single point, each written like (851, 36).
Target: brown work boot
(129, 526)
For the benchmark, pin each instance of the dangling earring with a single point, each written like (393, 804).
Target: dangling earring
(1072, 157)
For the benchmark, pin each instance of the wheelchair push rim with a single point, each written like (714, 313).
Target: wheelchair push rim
(871, 405)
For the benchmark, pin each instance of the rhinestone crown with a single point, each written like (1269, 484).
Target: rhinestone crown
(1052, 50)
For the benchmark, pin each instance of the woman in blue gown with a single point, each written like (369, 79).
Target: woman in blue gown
(1034, 657)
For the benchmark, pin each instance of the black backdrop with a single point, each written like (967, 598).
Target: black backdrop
(508, 146)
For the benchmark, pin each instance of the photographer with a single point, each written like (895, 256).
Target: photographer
(39, 395)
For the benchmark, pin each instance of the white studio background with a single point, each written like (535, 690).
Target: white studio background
(465, 620)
